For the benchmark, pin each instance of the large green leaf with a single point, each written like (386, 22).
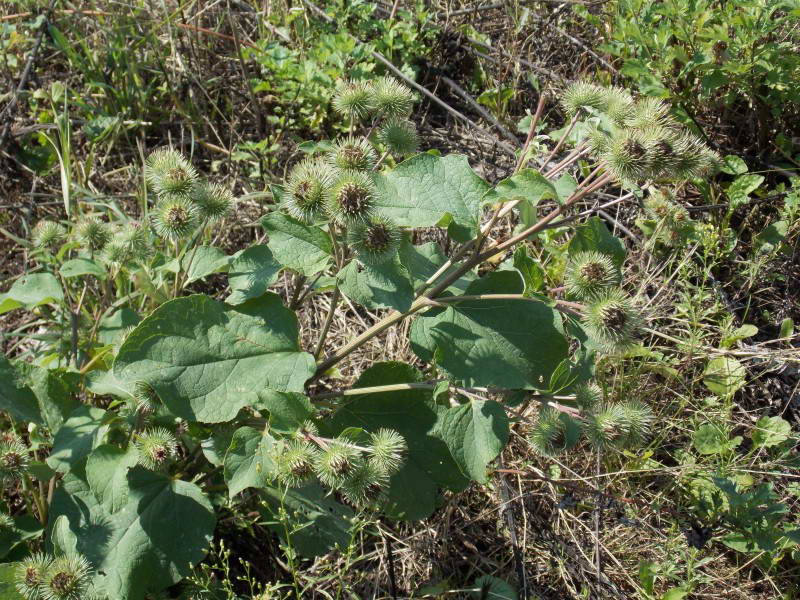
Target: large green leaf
(15, 396)
(387, 285)
(528, 186)
(427, 190)
(425, 260)
(114, 326)
(30, 291)
(147, 545)
(82, 266)
(476, 433)
(248, 462)
(25, 528)
(253, 271)
(506, 343)
(208, 360)
(8, 582)
(724, 375)
(203, 261)
(78, 436)
(107, 474)
(413, 414)
(287, 410)
(316, 522)
(300, 247)
(57, 393)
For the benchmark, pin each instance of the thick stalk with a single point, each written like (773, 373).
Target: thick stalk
(327, 325)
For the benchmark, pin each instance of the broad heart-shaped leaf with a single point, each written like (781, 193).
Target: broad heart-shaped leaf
(82, 266)
(107, 474)
(8, 582)
(724, 375)
(252, 272)
(25, 528)
(771, 431)
(203, 261)
(528, 186)
(207, 360)
(425, 260)
(248, 462)
(387, 285)
(287, 410)
(593, 235)
(56, 391)
(148, 544)
(15, 396)
(413, 414)
(114, 326)
(30, 291)
(425, 189)
(317, 523)
(506, 343)
(81, 433)
(476, 432)
(303, 248)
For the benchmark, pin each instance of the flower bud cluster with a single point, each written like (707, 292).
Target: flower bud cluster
(669, 222)
(603, 423)
(359, 472)
(637, 139)
(185, 201)
(43, 577)
(610, 318)
(340, 187)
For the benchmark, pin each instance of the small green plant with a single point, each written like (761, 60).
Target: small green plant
(734, 59)
(152, 406)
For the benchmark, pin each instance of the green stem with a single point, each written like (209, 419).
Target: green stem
(328, 320)
(30, 492)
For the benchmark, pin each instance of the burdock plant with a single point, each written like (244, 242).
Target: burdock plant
(169, 173)
(351, 198)
(31, 575)
(307, 188)
(590, 273)
(352, 153)
(375, 241)
(47, 234)
(611, 321)
(66, 578)
(157, 447)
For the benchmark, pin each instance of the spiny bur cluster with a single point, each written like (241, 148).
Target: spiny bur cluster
(43, 577)
(666, 220)
(185, 201)
(610, 318)
(339, 187)
(603, 423)
(14, 458)
(157, 448)
(637, 140)
(359, 472)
